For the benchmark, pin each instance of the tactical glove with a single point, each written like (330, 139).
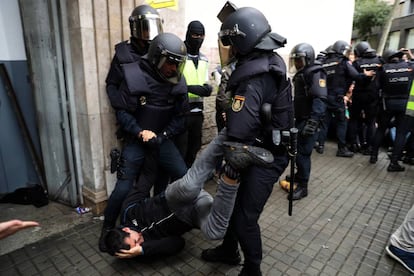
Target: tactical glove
(310, 127)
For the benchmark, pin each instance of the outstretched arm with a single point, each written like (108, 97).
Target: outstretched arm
(10, 227)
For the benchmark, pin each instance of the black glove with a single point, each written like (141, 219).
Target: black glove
(310, 127)
(231, 172)
(156, 141)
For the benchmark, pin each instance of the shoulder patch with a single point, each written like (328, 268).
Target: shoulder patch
(238, 103)
(322, 83)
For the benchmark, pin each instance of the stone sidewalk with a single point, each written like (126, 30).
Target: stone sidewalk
(341, 228)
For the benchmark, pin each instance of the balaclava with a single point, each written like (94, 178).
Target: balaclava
(194, 44)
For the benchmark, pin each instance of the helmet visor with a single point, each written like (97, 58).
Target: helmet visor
(171, 66)
(226, 53)
(227, 36)
(297, 61)
(145, 27)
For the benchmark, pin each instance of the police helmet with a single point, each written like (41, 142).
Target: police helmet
(390, 54)
(300, 56)
(363, 48)
(244, 29)
(145, 23)
(342, 48)
(167, 48)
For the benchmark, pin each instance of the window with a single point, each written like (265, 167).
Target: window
(393, 40)
(410, 39)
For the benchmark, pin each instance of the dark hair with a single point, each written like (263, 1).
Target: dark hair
(114, 240)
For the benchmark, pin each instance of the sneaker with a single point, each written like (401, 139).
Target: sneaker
(241, 156)
(344, 152)
(102, 244)
(403, 257)
(395, 167)
(373, 159)
(299, 193)
(219, 255)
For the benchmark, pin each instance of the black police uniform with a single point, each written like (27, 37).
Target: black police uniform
(143, 100)
(395, 78)
(310, 107)
(365, 97)
(340, 74)
(256, 80)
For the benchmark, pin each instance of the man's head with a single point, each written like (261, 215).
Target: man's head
(145, 23)
(194, 37)
(301, 56)
(167, 53)
(122, 238)
(341, 48)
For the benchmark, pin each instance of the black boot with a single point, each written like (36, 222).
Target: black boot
(221, 255)
(343, 151)
(104, 232)
(408, 160)
(319, 149)
(299, 193)
(246, 271)
(373, 159)
(241, 156)
(395, 167)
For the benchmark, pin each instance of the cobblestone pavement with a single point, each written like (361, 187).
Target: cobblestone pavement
(341, 228)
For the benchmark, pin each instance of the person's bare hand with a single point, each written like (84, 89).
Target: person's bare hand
(131, 253)
(147, 135)
(10, 227)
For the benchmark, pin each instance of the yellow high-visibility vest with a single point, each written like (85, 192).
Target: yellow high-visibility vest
(410, 104)
(196, 76)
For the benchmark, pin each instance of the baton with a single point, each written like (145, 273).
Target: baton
(292, 153)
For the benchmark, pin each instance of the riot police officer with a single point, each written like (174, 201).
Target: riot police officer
(259, 78)
(309, 84)
(150, 105)
(365, 97)
(395, 79)
(340, 74)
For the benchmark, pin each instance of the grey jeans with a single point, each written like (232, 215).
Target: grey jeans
(192, 204)
(403, 237)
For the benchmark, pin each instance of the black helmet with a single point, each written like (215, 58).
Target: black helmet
(390, 54)
(363, 48)
(342, 48)
(145, 23)
(167, 47)
(300, 56)
(244, 29)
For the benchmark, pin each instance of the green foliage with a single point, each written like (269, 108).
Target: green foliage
(370, 14)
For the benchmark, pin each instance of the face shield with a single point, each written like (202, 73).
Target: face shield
(145, 27)
(226, 41)
(297, 61)
(171, 66)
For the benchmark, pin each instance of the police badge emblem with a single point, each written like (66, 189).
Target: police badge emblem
(238, 103)
(143, 100)
(322, 83)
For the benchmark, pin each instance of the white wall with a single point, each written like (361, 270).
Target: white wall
(11, 33)
(318, 22)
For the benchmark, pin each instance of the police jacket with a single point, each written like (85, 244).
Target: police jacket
(395, 78)
(258, 79)
(367, 88)
(310, 93)
(340, 74)
(144, 100)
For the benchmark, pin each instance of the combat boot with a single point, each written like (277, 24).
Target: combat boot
(299, 193)
(220, 255)
(395, 167)
(319, 149)
(344, 152)
(241, 156)
(373, 159)
(408, 160)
